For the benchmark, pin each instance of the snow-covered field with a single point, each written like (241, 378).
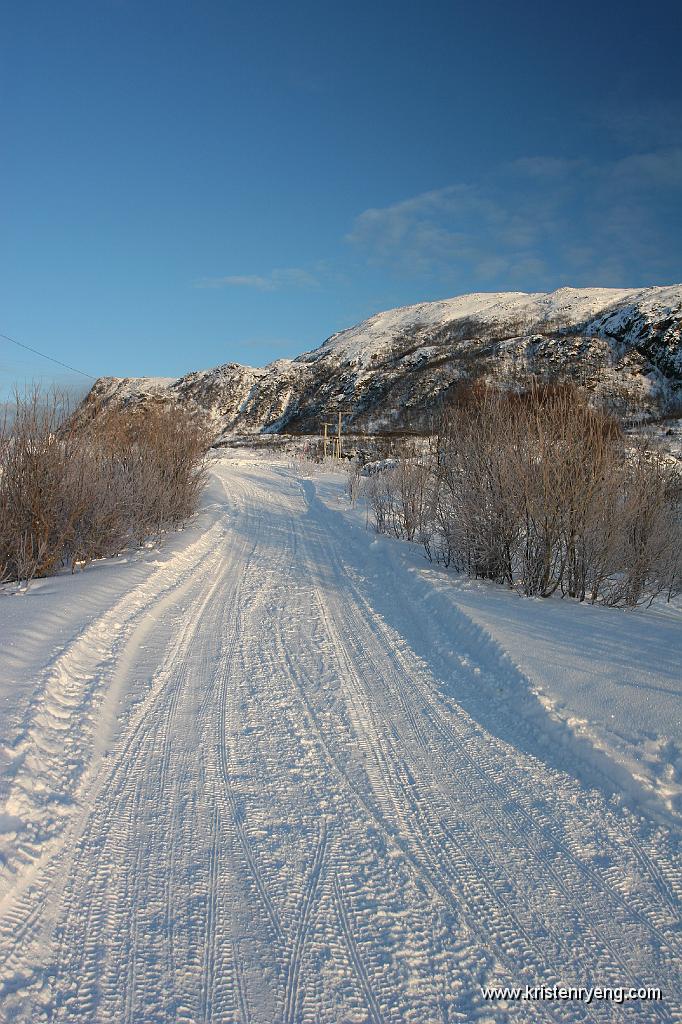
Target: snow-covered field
(282, 770)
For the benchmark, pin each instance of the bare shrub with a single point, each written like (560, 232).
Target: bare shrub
(353, 470)
(540, 491)
(411, 483)
(648, 536)
(398, 497)
(33, 517)
(378, 494)
(157, 456)
(71, 492)
(475, 525)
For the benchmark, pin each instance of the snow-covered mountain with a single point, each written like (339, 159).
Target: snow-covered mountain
(390, 371)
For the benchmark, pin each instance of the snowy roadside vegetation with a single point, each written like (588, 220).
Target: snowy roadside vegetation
(541, 492)
(72, 492)
(598, 685)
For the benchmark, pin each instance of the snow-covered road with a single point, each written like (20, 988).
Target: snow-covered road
(242, 793)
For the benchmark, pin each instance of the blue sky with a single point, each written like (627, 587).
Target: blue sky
(185, 184)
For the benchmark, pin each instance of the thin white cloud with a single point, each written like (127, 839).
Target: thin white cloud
(532, 220)
(461, 225)
(660, 169)
(424, 232)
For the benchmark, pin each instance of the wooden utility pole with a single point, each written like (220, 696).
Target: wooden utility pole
(336, 439)
(326, 437)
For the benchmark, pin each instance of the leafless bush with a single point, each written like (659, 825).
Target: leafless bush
(71, 492)
(158, 455)
(353, 470)
(544, 493)
(378, 494)
(397, 498)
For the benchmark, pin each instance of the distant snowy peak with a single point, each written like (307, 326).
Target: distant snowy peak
(391, 371)
(523, 311)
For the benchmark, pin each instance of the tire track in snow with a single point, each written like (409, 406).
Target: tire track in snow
(347, 932)
(446, 869)
(26, 900)
(433, 751)
(136, 771)
(291, 995)
(353, 614)
(430, 871)
(47, 749)
(142, 733)
(454, 866)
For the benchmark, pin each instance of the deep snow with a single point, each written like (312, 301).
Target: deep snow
(283, 770)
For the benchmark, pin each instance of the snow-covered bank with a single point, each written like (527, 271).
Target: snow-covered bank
(283, 776)
(613, 677)
(38, 622)
(63, 643)
(596, 690)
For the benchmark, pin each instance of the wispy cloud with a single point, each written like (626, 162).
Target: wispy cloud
(659, 169)
(439, 231)
(277, 280)
(531, 223)
(533, 220)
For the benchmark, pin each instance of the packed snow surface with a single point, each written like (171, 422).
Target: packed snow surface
(282, 771)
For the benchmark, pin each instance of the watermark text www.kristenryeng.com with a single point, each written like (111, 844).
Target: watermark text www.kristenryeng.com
(567, 993)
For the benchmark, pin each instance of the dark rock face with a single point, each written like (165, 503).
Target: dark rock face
(392, 371)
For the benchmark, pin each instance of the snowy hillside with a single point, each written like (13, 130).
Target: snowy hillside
(390, 370)
(567, 306)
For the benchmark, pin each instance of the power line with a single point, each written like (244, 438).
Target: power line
(28, 348)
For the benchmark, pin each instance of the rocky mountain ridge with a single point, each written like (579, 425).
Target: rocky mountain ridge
(391, 371)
